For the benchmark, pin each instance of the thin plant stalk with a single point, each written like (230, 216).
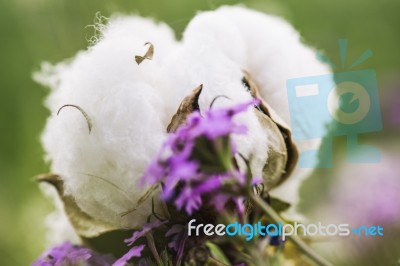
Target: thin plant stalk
(310, 253)
(153, 249)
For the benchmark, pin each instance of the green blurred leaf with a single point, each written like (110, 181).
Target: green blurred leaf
(217, 253)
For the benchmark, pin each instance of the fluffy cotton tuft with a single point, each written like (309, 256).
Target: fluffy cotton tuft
(129, 117)
(265, 46)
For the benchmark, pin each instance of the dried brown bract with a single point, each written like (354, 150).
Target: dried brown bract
(148, 55)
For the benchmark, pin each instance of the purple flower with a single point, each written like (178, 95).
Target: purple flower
(217, 122)
(133, 252)
(180, 169)
(214, 124)
(188, 199)
(145, 229)
(136, 251)
(219, 201)
(68, 254)
(197, 160)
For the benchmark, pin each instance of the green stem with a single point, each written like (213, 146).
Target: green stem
(295, 239)
(224, 153)
(212, 261)
(153, 249)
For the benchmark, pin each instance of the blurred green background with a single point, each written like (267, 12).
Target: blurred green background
(42, 30)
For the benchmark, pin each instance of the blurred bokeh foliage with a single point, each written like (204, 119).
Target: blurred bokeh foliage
(33, 31)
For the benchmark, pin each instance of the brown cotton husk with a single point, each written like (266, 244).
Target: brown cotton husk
(283, 157)
(188, 105)
(148, 55)
(282, 152)
(84, 225)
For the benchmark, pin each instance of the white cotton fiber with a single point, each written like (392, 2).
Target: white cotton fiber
(124, 100)
(272, 52)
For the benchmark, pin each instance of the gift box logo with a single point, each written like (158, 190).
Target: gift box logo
(349, 99)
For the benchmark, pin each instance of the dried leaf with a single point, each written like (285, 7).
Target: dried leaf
(274, 168)
(84, 224)
(148, 55)
(278, 156)
(188, 105)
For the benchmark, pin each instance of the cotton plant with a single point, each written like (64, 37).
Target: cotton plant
(147, 131)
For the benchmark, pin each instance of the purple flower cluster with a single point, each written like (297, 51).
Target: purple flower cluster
(68, 254)
(198, 159)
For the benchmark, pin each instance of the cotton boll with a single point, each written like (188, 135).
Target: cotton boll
(192, 65)
(273, 53)
(125, 104)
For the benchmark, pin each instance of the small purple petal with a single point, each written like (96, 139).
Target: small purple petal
(68, 254)
(183, 168)
(154, 173)
(239, 201)
(145, 229)
(187, 199)
(135, 251)
(209, 185)
(256, 180)
(219, 201)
